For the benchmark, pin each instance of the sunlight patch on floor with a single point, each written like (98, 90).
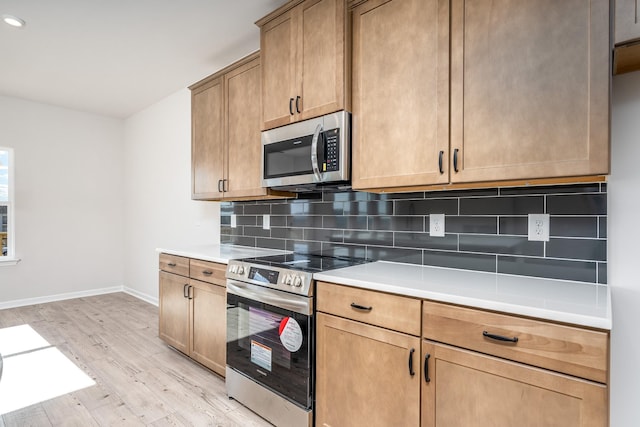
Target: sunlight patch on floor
(34, 371)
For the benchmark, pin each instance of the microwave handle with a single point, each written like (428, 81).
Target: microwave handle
(314, 152)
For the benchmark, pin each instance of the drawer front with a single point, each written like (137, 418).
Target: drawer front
(206, 271)
(174, 264)
(571, 350)
(376, 308)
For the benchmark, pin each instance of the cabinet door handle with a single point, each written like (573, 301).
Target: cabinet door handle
(455, 160)
(190, 292)
(440, 156)
(426, 368)
(361, 307)
(219, 183)
(207, 272)
(184, 291)
(171, 264)
(411, 371)
(298, 104)
(291, 106)
(499, 337)
(224, 185)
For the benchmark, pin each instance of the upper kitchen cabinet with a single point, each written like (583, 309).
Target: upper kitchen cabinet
(477, 92)
(304, 61)
(400, 93)
(225, 153)
(627, 36)
(530, 87)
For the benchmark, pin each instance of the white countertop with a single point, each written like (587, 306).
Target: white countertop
(219, 253)
(578, 303)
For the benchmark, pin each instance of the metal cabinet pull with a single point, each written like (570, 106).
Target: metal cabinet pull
(190, 292)
(220, 190)
(499, 337)
(291, 106)
(171, 264)
(298, 104)
(361, 307)
(207, 272)
(455, 160)
(440, 156)
(224, 185)
(426, 368)
(184, 291)
(411, 371)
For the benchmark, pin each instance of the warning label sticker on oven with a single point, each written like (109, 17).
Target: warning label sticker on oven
(290, 334)
(261, 355)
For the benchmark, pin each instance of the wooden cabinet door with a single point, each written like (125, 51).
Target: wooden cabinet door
(627, 21)
(207, 152)
(280, 83)
(529, 89)
(209, 314)
(242, 130)
(400, 93)
(363, 375)
(174, 311)
(472, 389)
(321, 61)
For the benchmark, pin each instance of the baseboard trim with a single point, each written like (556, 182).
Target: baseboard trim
(140, 295)
(61, 297)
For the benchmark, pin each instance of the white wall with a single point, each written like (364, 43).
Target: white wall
(68, 202)
(157, 180)
(624, 241)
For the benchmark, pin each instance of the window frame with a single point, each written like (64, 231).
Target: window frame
(10, 258)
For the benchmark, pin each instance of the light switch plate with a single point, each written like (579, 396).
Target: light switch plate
(436, 225)
(266, 222)
(233, 221)
(539, 227)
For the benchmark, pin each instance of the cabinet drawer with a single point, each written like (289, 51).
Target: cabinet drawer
(376, 308)
(174, 264)
(571, 350)
(206, 271)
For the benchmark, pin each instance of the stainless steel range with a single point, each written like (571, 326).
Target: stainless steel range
(270, 339)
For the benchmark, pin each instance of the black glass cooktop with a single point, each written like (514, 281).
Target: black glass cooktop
(306, 262)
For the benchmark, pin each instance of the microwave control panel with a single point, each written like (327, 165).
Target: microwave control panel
(331, 152)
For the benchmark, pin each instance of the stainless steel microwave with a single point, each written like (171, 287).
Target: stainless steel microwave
(308, 154)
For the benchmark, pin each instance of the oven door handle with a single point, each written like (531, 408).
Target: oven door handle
(280, 299)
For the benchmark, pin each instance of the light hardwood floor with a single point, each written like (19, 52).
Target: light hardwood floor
(140, 381)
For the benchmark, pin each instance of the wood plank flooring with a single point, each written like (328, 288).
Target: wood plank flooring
(140, 381)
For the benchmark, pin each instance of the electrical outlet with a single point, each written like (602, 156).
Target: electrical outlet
(233, 221)
(266, 222)
(539, 227)
(436, 225)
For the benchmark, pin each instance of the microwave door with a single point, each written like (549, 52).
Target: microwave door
(286, 162)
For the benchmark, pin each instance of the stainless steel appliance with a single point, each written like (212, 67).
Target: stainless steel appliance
(270, 340)
(308, 154)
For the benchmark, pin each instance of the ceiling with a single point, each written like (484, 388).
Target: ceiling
(117, 57)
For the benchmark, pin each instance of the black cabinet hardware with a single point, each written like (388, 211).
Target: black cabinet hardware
(172, 264)
(361, 307)
(291, 106)
(440, 156)
(220, 190)
(426, 368)
(298, 104)
(411, 371)
(455, 160)
(207, 272)
(190, 292)
(184, 291)
(499, 337)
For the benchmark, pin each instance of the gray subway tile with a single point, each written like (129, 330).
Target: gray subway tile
(425, 241)
(380, 238)
(470, 224)
(426, 207)
(396, 223)
(378, 207)
(573, 226)
(602, 273)
(500, 245)
(577, 204)
(323, 234)
(602, 227)
(514, 205)
(514, 225)
(549, 268)
(271, 243)
(584, 249)
(345, 222)
(465, 261)
(410, 256)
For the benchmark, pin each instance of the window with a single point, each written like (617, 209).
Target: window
(6, 204)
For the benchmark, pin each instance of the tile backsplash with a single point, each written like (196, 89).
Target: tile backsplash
(485, 229)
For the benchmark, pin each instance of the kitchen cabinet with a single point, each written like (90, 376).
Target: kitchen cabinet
(483, 368)
(522, 94)
(627, 36)
(367, 374)
(226, 147)
(193, 306)
(304, 61)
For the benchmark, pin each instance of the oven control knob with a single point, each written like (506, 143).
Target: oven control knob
(233, 269)
(240, 270)
(288, 280)
(297, 281)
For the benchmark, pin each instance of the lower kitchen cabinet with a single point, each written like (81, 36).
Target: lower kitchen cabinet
(193, 312)
(367, 375)
(467, 388)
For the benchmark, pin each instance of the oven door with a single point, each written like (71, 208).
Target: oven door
(269, 339)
